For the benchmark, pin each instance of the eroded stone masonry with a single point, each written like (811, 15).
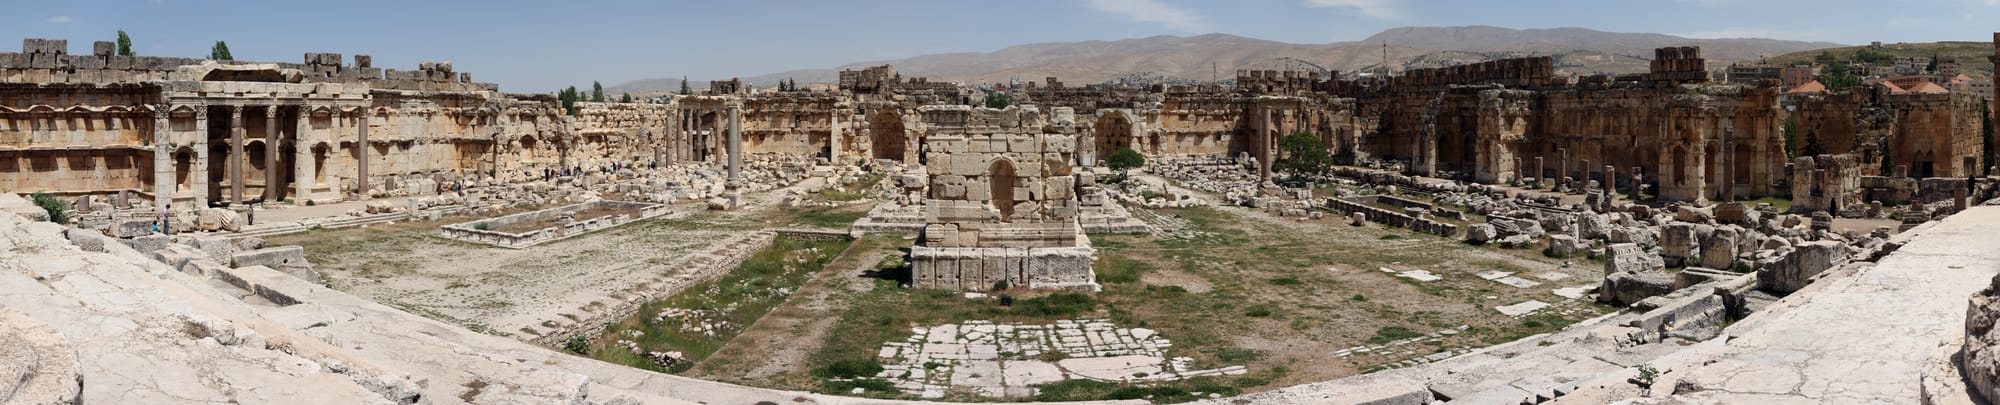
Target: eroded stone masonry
(1000, 198)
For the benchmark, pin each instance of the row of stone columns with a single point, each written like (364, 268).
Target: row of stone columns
(166, 183)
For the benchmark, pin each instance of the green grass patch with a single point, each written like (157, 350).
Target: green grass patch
(1119, 270)
(828, 217)
(735, 301)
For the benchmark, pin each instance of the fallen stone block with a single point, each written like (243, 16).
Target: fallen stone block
(1796, 269)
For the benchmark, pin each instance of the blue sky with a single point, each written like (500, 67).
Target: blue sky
(542, 45)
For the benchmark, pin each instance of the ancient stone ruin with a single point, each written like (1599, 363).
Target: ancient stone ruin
(136, 193)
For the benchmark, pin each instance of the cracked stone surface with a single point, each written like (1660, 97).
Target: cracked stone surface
(1863, 338)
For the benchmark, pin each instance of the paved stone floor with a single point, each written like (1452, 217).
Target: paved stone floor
(1007, 360)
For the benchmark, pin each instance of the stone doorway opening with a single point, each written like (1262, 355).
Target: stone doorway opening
(1000, 177)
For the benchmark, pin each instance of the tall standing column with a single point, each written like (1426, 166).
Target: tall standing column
(1562, 169)
(361, 163)
(735, 149)
(271, 144)
(1729, 168)
(164, 182)
(833, 137)
(236, 158)
(201, 169)
(303, 173)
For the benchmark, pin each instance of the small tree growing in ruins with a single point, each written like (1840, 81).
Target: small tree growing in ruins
(1303, 156)
(685, 90)
(596, 92)
(567, 98)
(626, 99)
(58, 211)
(220, 51)
(124, 44)
(1791, 138)
(1812, 147)
(1125, 159)
(997, 100)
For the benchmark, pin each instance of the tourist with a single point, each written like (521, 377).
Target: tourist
(166, 218)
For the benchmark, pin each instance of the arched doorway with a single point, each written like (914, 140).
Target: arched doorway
(1000, 177)
(1679, 163)
(526, 154)
(1711, 163)
(183, 169)
(320, 152)
(1114, 132)
(1739, 164)
(886, 137)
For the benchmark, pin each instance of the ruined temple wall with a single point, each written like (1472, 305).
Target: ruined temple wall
(1838, 120)
(789, 123)
(1936, 134)
(1201, 124)
(76, 138)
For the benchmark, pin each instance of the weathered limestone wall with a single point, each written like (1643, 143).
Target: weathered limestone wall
(1937, 135)
(789, 123)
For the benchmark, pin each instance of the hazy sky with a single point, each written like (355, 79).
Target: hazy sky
(542, 45)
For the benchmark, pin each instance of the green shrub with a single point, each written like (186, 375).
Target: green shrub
(1257, 312)
(848, 368)
(58, 211)
(1058, 304)
(578, 344)
(1392, 333)
(1285, 281)
(483, 226)
(1125, 159)
(1360, 298)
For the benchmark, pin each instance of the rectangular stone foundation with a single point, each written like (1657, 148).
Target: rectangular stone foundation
(980, 269)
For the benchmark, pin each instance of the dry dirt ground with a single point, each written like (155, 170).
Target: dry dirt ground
(502, 290)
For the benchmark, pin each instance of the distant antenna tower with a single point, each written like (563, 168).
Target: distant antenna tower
(1385, 57)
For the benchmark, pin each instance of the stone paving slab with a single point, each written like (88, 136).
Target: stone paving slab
(1863, 338)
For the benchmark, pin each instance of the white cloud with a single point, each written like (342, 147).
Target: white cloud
(61, 19)
(1152, 11)
(1384, 9)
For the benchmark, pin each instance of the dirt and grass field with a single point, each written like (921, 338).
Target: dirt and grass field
(1229, 286)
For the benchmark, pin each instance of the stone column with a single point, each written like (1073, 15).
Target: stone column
(236, 158)
(303, 176)
(271, 144)
(1540, 174)
(361, 158)
(1729, 168)
(735, 148)
(1562, 168)
(1638, 182)
(1583, 181)
(833, 137)
(164, 183)
(200, 157)
(1264, 146)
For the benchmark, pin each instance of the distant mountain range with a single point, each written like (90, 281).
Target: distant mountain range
(1211, 56)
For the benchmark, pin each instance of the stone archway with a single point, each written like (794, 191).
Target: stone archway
(1710, 171)
(183, 160)
(1114, 132)
(887, 139)
(1001, 178)
(319, 155)
(1677, 163)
